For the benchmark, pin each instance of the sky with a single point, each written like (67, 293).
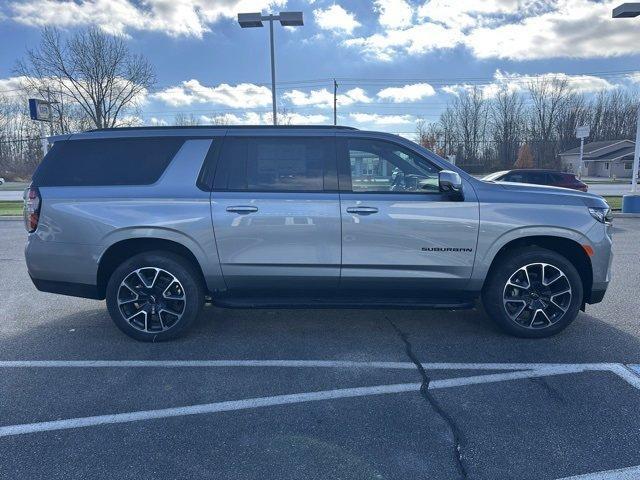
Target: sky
(395, 61)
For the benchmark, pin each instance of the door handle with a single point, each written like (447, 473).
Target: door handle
(242, 209)
(362, 210)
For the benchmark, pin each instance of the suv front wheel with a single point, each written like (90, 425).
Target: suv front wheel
(154, 296)
(533, 293)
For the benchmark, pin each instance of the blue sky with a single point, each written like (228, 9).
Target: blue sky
(396, 60)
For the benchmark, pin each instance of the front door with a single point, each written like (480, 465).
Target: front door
(276, 214)
(400, 234)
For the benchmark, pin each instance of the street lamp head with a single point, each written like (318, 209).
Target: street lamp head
(291, 19)
(250, 20)
(627, 10)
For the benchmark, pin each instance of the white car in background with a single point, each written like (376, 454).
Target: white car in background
(1, 180)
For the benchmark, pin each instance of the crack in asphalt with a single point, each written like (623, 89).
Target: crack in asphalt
(433, 403)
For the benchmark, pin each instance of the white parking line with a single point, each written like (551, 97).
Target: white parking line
(631, 473)
(630, 374)
(259, 402)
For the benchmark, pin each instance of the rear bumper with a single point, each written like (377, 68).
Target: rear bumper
(68, 288)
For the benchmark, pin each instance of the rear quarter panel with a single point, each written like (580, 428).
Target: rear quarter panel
(91, 219)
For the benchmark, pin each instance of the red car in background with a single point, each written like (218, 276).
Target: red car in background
(538, 177)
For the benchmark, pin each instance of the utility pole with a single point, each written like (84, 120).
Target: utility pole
(335, 102)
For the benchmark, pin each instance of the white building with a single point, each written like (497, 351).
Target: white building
(608, 159)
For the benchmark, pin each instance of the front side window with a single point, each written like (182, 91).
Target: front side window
(264, 164)
(380, 167)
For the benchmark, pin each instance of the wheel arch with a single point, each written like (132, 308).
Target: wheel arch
(569, 248)
(121, 250)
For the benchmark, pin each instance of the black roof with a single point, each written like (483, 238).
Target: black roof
(224, 127)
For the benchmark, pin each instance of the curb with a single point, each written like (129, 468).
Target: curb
(10, 218)
(625, 215)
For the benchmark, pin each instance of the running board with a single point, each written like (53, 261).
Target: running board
(396, 303)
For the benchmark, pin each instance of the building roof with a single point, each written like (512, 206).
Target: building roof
(604, 151)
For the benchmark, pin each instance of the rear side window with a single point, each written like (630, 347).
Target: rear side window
(114, 161)
(263, 164)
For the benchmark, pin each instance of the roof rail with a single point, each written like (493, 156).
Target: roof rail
(222, 127)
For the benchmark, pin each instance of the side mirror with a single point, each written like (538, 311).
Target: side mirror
(450, 182)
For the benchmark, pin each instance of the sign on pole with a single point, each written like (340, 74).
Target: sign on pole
(40, 110)
(582, 132)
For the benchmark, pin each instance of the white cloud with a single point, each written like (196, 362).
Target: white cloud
(575, 28)
(514, 82)
(377, 119)
(158, 122)
(255, 118)
(243, 95)
(417, 39)
(12, 87)
(394, 13)
(324, 99)
(510, 29)
(407, 93)
(173, 17)
(336, 19)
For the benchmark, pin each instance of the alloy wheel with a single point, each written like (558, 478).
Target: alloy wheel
(537, 295)
(151, 299)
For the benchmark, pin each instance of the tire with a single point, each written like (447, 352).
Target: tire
(505, 293)
(155, 296)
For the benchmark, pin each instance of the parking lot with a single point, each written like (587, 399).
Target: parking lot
(296, 394)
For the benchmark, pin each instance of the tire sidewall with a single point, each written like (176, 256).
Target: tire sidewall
(494, 290)
(177, 266)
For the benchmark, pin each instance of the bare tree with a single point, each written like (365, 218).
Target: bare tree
(184, 120)
(90, 69)
(549, 96)
(469, 112)
(507, 125)
(429, 135)
(20, 146)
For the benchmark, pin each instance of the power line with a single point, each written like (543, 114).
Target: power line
(376, 81)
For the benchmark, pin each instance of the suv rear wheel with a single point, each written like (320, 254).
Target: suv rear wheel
(533, 293)
(154, 296)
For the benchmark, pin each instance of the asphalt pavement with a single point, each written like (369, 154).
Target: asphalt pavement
(316, 394)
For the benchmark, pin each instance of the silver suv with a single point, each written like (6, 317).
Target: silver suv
(158, 220)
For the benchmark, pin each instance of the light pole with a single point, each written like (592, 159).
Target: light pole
(287, 19)
(631, 202)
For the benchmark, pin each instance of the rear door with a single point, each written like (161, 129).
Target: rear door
(400, 235)
(276, 214)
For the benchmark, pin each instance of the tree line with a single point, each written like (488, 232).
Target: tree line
(526, 127)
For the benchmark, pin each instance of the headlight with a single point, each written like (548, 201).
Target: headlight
(602, 214)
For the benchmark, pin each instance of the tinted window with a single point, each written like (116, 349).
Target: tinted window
(119, 161)
(538, 178)
(560, 178)
(514, 177)
(385, 167)
(274, 163)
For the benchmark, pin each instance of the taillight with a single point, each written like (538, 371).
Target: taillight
(32, 204)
